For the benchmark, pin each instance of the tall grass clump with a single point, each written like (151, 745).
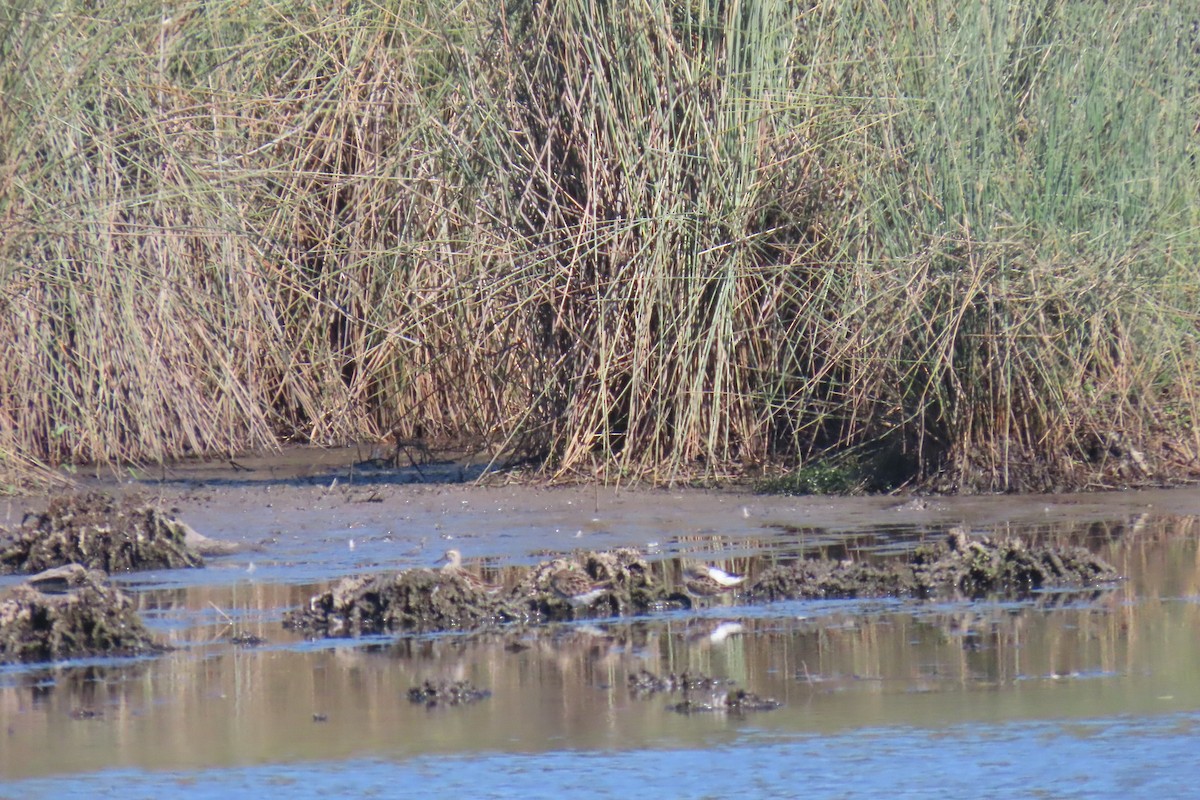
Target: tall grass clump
(954, 244)
(1028, 212)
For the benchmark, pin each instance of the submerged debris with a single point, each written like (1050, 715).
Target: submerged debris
(644, 682)
(716, 696)
(738, 701)
(243, 639)
(70, 612)
(99, 532)
(450, 694)
(742, 700)
(83, 712)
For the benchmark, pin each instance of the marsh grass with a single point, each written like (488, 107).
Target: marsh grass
(652, 240)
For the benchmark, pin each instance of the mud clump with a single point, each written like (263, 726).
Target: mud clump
(976, 568)
(959, 566)
(826, 579)
(443, 693)
(423, 601)
(98, 532)
(418, 600)
(70, 612)
(620, 580)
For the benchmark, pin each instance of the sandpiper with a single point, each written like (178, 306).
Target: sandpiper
(722, 577)
(705, 580)
(451, 563)
(59, 580)
(576, 587)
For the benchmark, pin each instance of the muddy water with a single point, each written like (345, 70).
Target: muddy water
(1093, 694)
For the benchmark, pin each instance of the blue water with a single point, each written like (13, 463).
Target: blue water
(1119, 757)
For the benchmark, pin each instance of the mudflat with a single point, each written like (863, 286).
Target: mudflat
(409, 515)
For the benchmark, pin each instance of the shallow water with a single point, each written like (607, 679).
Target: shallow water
(1063, 695)
(1098, 757)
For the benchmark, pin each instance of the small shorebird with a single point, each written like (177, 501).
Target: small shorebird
(59, 580)
(452, 565)
(576, 587)
(705, 580)
(722, 577)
